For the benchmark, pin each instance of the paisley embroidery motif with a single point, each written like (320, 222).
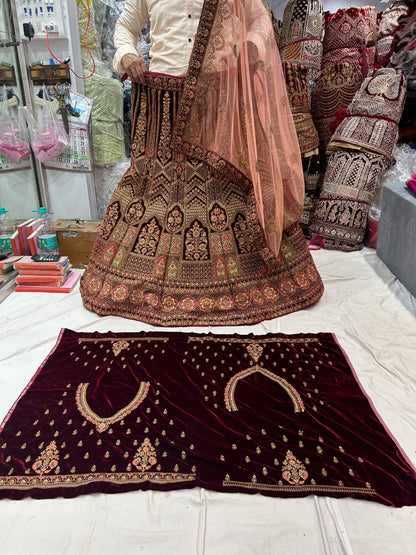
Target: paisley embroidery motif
(119, 346)
(294, 471)
(48, 459)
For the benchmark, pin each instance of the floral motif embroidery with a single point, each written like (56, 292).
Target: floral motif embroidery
(169, 303)
(301, 280)
(48, 459)
(243, 235)
(218, 218)
(256, 295)
(220, 268)
(109, 254)
(255, 351)
(106, 289)
(102, 424)
(164, 153)
(119, 257)
(152, 299)
(110, 220)
(226, 302)
(287, 287)
(135, 212)
(145, 456)
(206, 304)
(270, 293)
(196, 242)
(120, 293)
(148, 238)
(242, 299)
(174, 220)
(119, 346)
(232, 266)
(229, 392)
(94, 284)
(119, 232)
(173, 270)
(160, 267)
(188, 304)
(137, 295)
(294, 471)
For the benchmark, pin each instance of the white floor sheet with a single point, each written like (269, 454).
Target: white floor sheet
(373, 317)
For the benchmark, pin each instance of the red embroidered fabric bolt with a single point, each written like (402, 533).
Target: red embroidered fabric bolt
(281, 415)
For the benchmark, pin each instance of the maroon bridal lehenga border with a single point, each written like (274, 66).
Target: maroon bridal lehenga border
(280, 415)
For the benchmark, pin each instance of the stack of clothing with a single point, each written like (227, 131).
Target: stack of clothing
(300, 43)
(299, 93)
(335, 88)
(361, 151)
(350, 36)
(301, 34)
(348, 55)
(388, 23)
(404, 53)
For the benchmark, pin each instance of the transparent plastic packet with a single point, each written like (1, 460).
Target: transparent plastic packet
(47, 134)
(14, 140)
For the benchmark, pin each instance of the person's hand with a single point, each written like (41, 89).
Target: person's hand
(134, 66)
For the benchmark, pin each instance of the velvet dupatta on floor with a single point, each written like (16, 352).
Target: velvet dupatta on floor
(281, 415)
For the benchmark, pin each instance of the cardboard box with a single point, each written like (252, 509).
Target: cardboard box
(76, 239)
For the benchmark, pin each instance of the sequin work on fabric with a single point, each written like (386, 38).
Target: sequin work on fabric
(181, 244)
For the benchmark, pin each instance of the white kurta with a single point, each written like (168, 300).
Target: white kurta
(173, 25)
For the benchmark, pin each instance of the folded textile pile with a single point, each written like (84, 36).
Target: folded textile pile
(301, 34)
(297, 82)
(388, 24)
(362, 148)
(350, 35)
(404, 52)
(335, 88)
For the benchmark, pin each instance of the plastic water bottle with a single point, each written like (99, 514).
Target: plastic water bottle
(48, 242)
(6, 230)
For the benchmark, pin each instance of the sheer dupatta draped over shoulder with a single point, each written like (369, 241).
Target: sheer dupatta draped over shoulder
(235, 113)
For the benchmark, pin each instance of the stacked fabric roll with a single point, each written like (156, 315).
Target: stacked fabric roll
(297, 83)
(389, 22)
(361, 151)
(301, 34)
(350, 35)
(348, 55)
(335, 88)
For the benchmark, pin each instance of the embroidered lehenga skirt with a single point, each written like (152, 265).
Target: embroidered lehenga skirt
(181, 244)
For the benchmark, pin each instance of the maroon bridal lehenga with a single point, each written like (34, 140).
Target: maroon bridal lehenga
(203, 227)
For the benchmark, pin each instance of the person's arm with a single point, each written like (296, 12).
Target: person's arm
(128, 27)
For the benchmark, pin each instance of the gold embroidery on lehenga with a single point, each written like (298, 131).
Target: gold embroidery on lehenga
(102, 424)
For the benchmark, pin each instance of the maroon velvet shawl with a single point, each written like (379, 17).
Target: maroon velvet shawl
(281, 415)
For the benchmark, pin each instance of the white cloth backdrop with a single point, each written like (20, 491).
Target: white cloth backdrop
(373, 317)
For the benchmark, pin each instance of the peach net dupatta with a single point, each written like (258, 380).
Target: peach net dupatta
(235, 112)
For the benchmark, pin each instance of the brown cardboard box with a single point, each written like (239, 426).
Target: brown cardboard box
(76, 239)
